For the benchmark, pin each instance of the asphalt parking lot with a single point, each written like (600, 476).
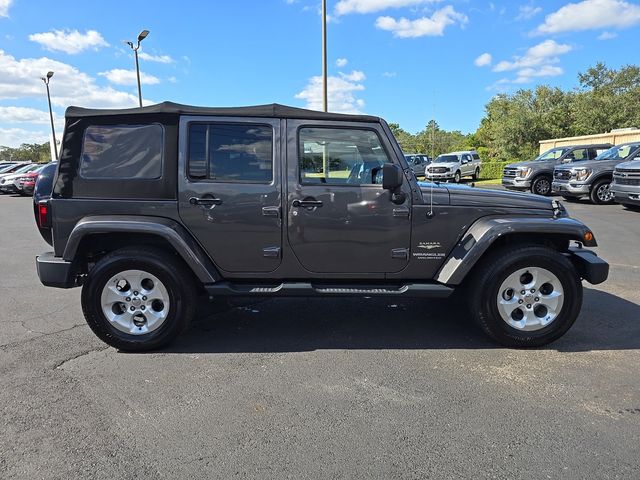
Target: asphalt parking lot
(307, 388)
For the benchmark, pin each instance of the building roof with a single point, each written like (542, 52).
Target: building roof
(273, 110)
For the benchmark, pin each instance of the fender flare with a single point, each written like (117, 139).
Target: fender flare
(178, 237)
(485, 231)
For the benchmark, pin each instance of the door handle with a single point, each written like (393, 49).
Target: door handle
(207, 201)
(306, 203)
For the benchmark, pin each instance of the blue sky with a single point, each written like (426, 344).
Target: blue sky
(405, 60)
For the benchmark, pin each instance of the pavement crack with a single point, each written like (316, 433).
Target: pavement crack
(39, 335)
(83, 353)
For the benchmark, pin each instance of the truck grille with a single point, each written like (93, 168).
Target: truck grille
(438, 169)
(628, 181)
(562, 174)
(510, 172)
(627, 177)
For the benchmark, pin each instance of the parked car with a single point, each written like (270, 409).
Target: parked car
(418, 162)
(626, 183)
(243, 211)
(6, 165)
(7, 181)
(454, 166)
(593, 178)
(25, 183)
(537, 175)
(12, 168)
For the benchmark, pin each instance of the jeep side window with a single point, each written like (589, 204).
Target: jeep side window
(337, 156)
(122, 151)
(230, 153)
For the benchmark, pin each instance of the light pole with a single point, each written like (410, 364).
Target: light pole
(53, 130)
(325, 105)
(142, 36)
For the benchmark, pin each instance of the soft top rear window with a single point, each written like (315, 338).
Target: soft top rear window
(122, 151)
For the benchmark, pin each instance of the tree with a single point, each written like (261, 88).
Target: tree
(27, 152)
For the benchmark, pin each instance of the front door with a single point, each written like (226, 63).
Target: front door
(230, 190)
(339, 219)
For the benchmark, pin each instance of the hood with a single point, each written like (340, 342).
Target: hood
(531, 163)
(443, 164)
(464, 195)
(631, 165)
(589, 164)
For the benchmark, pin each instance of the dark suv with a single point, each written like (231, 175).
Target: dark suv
(153, 206)
(537, 175)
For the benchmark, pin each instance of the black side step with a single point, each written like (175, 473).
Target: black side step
(305, 289)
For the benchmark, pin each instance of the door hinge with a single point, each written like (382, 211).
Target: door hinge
(271, 252)
(401, 253)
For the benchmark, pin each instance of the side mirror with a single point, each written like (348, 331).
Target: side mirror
(391, 177)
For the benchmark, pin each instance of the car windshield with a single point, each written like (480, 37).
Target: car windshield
(619, 152)
(6, 168)
(552, 154)
(26, 168)
(446, 159)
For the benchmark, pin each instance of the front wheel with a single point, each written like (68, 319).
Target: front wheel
(526, 296)
(456, 177)
(476, 174)
(541, 186)
(138, 299)
(600, 193)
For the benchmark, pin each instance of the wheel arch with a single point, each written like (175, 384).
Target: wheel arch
(96, 235)
(488, 234)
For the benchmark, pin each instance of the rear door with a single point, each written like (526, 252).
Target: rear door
(340, 219)
(230, 190)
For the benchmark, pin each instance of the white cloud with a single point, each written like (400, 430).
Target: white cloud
(483, 60)
(341, 92)
(526, 75)
(345, 7)
(23, 114)
(544, 53)
(69, 86)
(4, 7)
(341, 62)
(527, 12)
(390, 74)
(155, 58)
(591, 15)
(120, 76)
(69, 41)
(607, 36)
(425, 26)
(14, 137)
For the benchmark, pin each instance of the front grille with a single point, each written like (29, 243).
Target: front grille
(438, 169)
(631, 171)
(510, 172)
(628, 181)
(562, 174)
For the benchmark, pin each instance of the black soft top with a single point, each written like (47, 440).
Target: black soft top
(273, 110)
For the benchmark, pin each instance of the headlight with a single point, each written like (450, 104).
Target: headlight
(582, 174)
(523, 172)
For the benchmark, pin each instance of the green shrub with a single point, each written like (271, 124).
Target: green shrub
(492, 170)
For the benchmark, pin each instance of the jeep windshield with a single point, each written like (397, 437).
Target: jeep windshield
(552, 154)
(619, 152)
(446, 159)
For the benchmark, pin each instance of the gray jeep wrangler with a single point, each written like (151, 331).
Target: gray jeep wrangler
(152, 207)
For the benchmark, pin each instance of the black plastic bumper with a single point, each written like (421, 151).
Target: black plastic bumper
(590, 267)
(55, 271)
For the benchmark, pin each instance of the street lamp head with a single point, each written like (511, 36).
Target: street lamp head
(49, 74)
(143, 35)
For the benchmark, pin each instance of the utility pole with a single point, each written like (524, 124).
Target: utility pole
(143, 34)
(46, 79)
(325, 106)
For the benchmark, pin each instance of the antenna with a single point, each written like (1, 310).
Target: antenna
(433, 132)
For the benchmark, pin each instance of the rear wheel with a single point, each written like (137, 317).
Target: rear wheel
(600, 193)
(527, 296)
(476, 174)
(457, 176)
(541, 185)
(136, 300)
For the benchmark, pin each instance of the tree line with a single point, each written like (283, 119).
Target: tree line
(27, 152)
(514, 123)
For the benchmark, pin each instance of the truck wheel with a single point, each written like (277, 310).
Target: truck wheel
(526, 296)
(456, 177)
(541, 185)
(476, 174)
(600, 193)
(138, 299)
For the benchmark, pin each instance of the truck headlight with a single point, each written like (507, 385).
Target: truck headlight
(582, 174)
(524, 172)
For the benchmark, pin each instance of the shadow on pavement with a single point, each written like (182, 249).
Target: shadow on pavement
(607, 322)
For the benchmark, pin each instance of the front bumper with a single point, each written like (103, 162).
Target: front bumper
(515, 183)
(570, 189)
(625, 194)
(9, 188)
(590, 267)
(55, 271)
(439, 176)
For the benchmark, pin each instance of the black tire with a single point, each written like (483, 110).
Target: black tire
(457, 176)
(541, 185)
(599, 193)
(173, 274)
(476, 174)
(494, 269)
(571, 199)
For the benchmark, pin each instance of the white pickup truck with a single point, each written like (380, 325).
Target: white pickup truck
(454, 166)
